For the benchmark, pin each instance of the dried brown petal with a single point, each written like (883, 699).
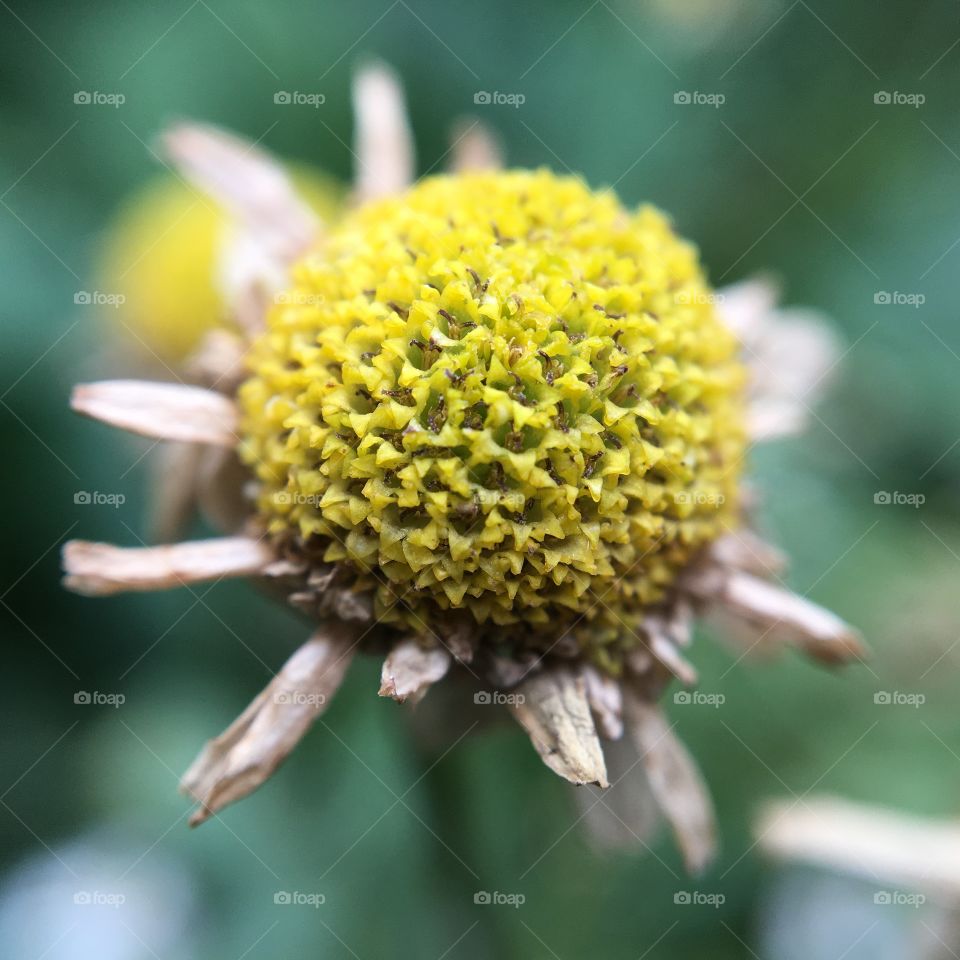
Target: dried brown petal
(411, 669)
(100, 569)
(173, 501)
(674, 780)
(383, 142)
(163, 411)
(626, 813)
(475, 148)
(259, 740)
(744, 550)
(606, 701)
(876, 843)
(780, 615)
(247, 181)
(556, 715)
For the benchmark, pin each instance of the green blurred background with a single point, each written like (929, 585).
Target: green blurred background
(799, 172)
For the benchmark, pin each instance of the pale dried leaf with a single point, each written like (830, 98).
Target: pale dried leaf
(164, 411)
(256, 743)
(606, 701)
(556, 715)
(625, 814)
(383, 142)
(744, 550)
(881, 845)
(475, 148)
(222, 484)
(173, 481)
(247, 181)
(663, 648)
(100, 569)
(674, 780)
(781, 615)
(747, 307)
(411, 669)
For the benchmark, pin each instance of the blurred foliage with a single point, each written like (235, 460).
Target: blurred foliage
(799, 172)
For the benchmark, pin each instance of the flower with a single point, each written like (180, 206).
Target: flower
(495, 426)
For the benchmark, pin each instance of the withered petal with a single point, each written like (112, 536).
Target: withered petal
(101, 569)
(674, 780)
(411, 669)
(606, 701)
(383, 142)
(246, 754)
(780, 614)
(252, 186)
(556, 715)
(475, 148)
(162, 411)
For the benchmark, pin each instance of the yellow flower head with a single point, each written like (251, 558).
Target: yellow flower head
(499, 392)
(162, 254)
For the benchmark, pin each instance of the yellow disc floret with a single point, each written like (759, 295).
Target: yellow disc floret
(503, 394)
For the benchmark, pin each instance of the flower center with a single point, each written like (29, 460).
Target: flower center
(502, 394)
